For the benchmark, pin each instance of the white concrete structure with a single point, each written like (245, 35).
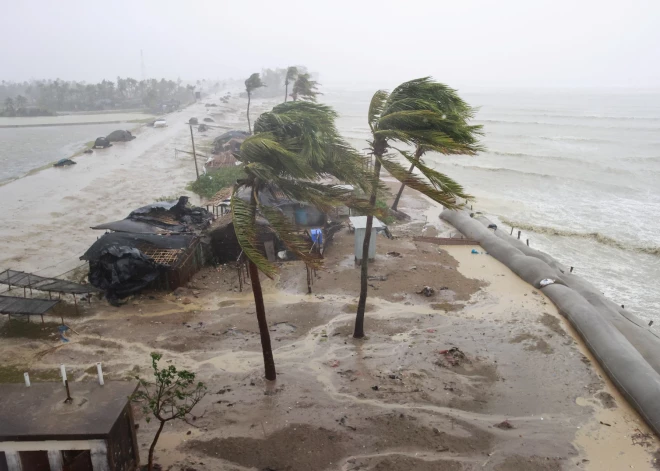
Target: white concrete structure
(359, 223)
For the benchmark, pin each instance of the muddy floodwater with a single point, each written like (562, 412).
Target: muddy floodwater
(30, 143)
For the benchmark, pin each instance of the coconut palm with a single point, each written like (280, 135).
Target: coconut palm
(309, 130)
(251, 84)
(412, 115)
(293, 146)
(291, 74)
(457, 114)
(305, 88)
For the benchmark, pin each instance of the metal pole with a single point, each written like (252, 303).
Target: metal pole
(194, 154)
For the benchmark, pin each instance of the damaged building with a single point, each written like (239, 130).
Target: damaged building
(157, 246)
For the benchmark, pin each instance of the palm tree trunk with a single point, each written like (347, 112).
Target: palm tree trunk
(150, 465)
(248, 114)
(286, 90)
(269, 361)
(358, 332)
(418, 155)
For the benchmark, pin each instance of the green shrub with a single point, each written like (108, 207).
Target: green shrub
(214, 181)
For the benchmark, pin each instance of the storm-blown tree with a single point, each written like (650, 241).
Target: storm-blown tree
(293, 146)
(291, 74)
(457, 114)
(409, 115)
(251, 84)
(172, 396)
(305, 88)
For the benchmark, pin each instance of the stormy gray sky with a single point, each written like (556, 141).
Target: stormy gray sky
(531, 43)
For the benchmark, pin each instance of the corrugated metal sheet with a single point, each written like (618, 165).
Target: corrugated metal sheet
(29, 280)
(26, 306)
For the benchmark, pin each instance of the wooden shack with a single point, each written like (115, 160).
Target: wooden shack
(41, 431)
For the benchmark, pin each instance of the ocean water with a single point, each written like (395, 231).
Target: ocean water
(577, 171)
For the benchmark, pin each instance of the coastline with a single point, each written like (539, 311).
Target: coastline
(527, 365)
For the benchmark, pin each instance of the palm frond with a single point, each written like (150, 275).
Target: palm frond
(411, 119)
(429, 139)
(253, 82)
(245, 226)
(264, 148)
(438, 180)
(418, 183)
(376, 108)
(308, 129)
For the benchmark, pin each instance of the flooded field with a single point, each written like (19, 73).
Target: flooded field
(30, 143)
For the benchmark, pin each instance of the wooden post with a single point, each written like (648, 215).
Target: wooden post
(519, 234)
(309, 280)
(29, 284)
(571, 269)
(42, 320)
(8, 282)
(49, 296)
(527, 242)
(511, 231)
(194, 154)
(69, 399)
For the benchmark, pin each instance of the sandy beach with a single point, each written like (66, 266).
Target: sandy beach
(483, 375)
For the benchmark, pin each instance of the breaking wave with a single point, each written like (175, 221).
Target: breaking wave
(595, 236)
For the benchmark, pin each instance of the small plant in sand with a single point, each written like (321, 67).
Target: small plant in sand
(251, 84)
(424, 114)
(171, 396)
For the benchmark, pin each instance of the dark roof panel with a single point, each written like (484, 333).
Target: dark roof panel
(40, 413)
(25, 306)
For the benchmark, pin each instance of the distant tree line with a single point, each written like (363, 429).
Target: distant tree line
(37, 96)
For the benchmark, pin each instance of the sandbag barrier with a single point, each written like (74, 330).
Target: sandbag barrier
(628, 351)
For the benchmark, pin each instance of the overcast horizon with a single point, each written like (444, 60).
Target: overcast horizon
(542, 44)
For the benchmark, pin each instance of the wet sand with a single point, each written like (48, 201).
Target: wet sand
(483, 375)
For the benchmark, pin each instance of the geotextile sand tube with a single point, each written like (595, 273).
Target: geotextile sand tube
(627, 350)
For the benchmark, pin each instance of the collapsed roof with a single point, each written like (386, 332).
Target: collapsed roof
(162, 218)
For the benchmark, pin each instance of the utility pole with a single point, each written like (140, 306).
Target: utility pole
(194, 154)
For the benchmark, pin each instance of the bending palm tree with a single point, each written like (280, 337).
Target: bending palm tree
(251, 84)
(302, 143)
(457, 113)
(309, 131)
(409, 115)
(291, 74)
(305, 88)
